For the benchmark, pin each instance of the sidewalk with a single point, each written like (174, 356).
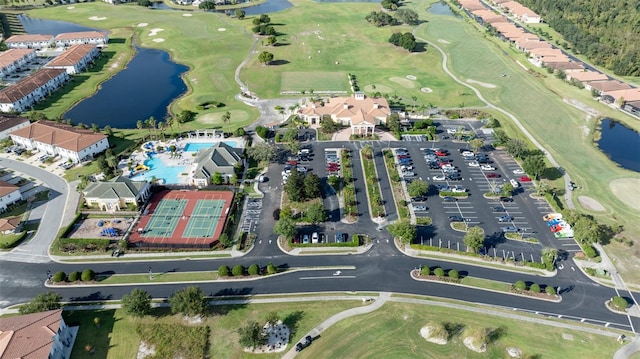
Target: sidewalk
(169, 256)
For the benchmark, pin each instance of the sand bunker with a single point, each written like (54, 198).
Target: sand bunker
(158, 40)
(627, 190)
(97, 18)
(378, 88)
(425, 332)
(154, 32)
(442, 41)
(590, 203)
(426, 90)
(222, 29)
(70, 7)
(411, 77)
(403, 82)
(187, 15)
(142, 24)
(483, 84)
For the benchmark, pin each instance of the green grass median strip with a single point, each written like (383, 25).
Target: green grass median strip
(486, 284)
(158, 278)
(372, 184)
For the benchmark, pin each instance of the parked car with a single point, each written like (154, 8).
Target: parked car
(408, 174)
(419, 207)
(467, 154)
(474, 164)
(508, 229)
(305, 238)
(487, 168)
(434, 165)
(418, 199)
(518, 171)
(443, 188)
(458, 189)
(498, 209)
(449, 199)
(406, 168)
(402, 156)
(454, 177)
(441, 153)
(492, 175)
(302, 169)
(506, 199)
(19, 151)
(315, 237)
(514, 183)
(505, 218)
(456, 219)
(525, 179)
(439, 178)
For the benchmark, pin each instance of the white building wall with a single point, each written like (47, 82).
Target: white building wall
(4, 134)
(9, 198)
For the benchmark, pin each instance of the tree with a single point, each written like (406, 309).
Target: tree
(272, 269)
(223, 271)
(88, 275)
(240, 14)
(453, 274)
(186, 116)
(520, 285)
(474, 239)
(3, 46)
(217, 178)
(137, 303)
(272, 40)
(108, 130)
(407, 16)
(367, 152)
(476, 144)
(263, 151)
(96, 321)
(501, 137)
(417, 188)
(390, 4)
(42, 303)
(265, 57)
(312, 186)
(272, 318)
(145, 3)
(507, 189)
(226, 117)
(534, 165)
(549, 256)
(403, 230)
(438, 272)
(316, 213)
(262, 19)
(393, 122)
(327, 125)
(516, 147)
(252, 335)
(140, 124)
(534, 288)
(189, 302)
(207, 6)
(238, 270)
(286, 227)
(254, 269)
(550, 290)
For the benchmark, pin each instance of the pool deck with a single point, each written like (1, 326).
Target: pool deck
(184, 160)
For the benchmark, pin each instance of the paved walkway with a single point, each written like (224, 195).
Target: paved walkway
(344, 135)
(628, 350)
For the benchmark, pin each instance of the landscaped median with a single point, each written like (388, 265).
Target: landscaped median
(374, 195)
(396, 185)
(224, 273)
(348, 189)
(519, 288)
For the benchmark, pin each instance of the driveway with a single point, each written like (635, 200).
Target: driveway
(50, 213)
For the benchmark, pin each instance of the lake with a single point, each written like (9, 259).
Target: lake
(264, 8)
(145, 88)
(50, 27)
(621, 144)
(441, 8)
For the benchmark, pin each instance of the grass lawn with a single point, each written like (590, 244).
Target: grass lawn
(116, 338)
(486, 284)
(195, 41)
(537, 100)
(316, 80)
(158, 277)
(375, 333)
(9, 240)
(339, 33)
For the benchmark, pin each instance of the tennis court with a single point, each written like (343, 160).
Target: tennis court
(165, 218)
(204, 219)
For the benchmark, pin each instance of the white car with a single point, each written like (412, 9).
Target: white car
(302, 169)
(458, 189)
(474, 164)
(406, 168)
(518, 171)
(487, 168)
(514, 183)
(408, 174)
(467, 154)
(439, 178)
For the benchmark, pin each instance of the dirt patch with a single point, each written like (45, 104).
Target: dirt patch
(469, 343)
(590, 203)
(483, 84)
(425, 332)
(90, 228)
(403, 82)
(70, 7)
(443, 41)
(581, 106)
(627, 190)
(378, 88)
(426, 90)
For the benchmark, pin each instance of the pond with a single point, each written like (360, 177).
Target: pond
(621, 144)
(145, 88)
(441, 8)
(264, 8)
(50, 27)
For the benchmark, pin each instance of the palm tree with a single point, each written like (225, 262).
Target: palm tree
(367, 152)
(226, 118)
(415, 102)
(95, 128)
(151, 122)
(550, 254)
(140, 125)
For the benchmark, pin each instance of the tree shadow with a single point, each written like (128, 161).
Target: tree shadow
(117, 40)
(496, 334)
(278, 62)
(291, 321)
(492, 240)
(453, 329)
(420, 47)
(95, 296)
(551, 173)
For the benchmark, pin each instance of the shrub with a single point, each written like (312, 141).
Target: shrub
(88, 275)
(439, 272)
(223, 271)
(534, 288)
(59, 277)
(619, 302)
(589, 251)
(453, 274)
(550, 290)
(425, 270)
(73, 276)
(520, 285)
(254, 269)
(238, 270)
(272, 269)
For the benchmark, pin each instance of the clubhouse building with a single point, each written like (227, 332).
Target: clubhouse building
(116, 194)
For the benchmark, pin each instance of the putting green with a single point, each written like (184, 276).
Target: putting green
(216, 117)
(406, 83)
(378, 88)
(627, 190)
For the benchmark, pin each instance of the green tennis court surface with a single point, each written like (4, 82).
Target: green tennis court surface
(204, 219)
(165, 218)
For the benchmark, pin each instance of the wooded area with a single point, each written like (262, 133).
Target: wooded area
(606, 31)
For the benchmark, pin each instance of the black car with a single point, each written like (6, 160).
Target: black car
(456, 219)
(454, 177)
(506, 199)
(498, 209)
(505, 218)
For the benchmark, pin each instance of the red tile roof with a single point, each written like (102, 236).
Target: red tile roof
(628, 95)
(609, 85)
(358, 111)
(72, 55)
(9, 224)
(12, 55)
(60, 135)
(29, 336)
(24, 87)
(11, 121)
(587, 76)
(80, 35)
(6, 188)
(29, 38)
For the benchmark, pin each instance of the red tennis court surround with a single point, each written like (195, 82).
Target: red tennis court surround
(183, 220)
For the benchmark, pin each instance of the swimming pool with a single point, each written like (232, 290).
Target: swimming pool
(197, 146)
(158, 169)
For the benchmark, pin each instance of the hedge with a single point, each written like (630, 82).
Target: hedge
(254, 269)
(238, 270)
(223, 271)
(88, 275)
(59, 277)
(73, 276)
(354, 242)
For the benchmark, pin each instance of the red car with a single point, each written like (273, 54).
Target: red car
(444, 163)
(293, 163)
(492, 175)
(556, 228)
(333, 168)
(525, 179)
(402, 156)
(441, 153)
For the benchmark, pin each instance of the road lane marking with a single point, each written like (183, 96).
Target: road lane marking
(330, 277)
